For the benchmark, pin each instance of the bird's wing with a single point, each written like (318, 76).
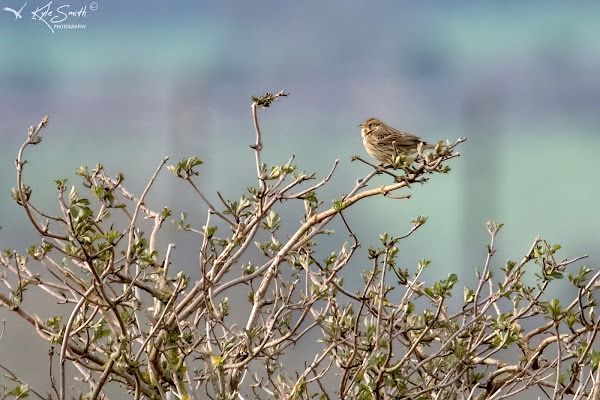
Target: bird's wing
(399, 137)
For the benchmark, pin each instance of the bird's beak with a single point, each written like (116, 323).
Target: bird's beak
(361, 126)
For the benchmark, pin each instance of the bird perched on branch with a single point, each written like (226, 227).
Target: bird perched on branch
(385, 143)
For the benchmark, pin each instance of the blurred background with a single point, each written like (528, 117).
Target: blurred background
(143, 80)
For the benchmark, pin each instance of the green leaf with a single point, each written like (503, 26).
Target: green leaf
(210, 231)
(423, 264)
(20, 392)
(331, 259)
(99, 331)
(579, 280)
(271, 222)
(556, 275)
(181, 225)
(238, 209)
(338, 205)
(54, 321)
(554, 309)
(493, 227)
(185, 168)
(265, 100)
(420, 220)
(97, 191)
(223, 308)
(594, 359)
(60, 184)
(468, 295)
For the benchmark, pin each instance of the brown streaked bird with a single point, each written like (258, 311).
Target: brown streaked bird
(383, 142)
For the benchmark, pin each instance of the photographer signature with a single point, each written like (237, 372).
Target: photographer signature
(50, 15)
(56, 16)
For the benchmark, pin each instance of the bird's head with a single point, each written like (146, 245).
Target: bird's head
(369, 126)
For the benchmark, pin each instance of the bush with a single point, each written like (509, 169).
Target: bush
(129, 322)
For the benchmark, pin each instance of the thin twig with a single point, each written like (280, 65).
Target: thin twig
(210, 206)
(137, 209)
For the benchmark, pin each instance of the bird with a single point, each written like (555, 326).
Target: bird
(384, 143)
(17, 13)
